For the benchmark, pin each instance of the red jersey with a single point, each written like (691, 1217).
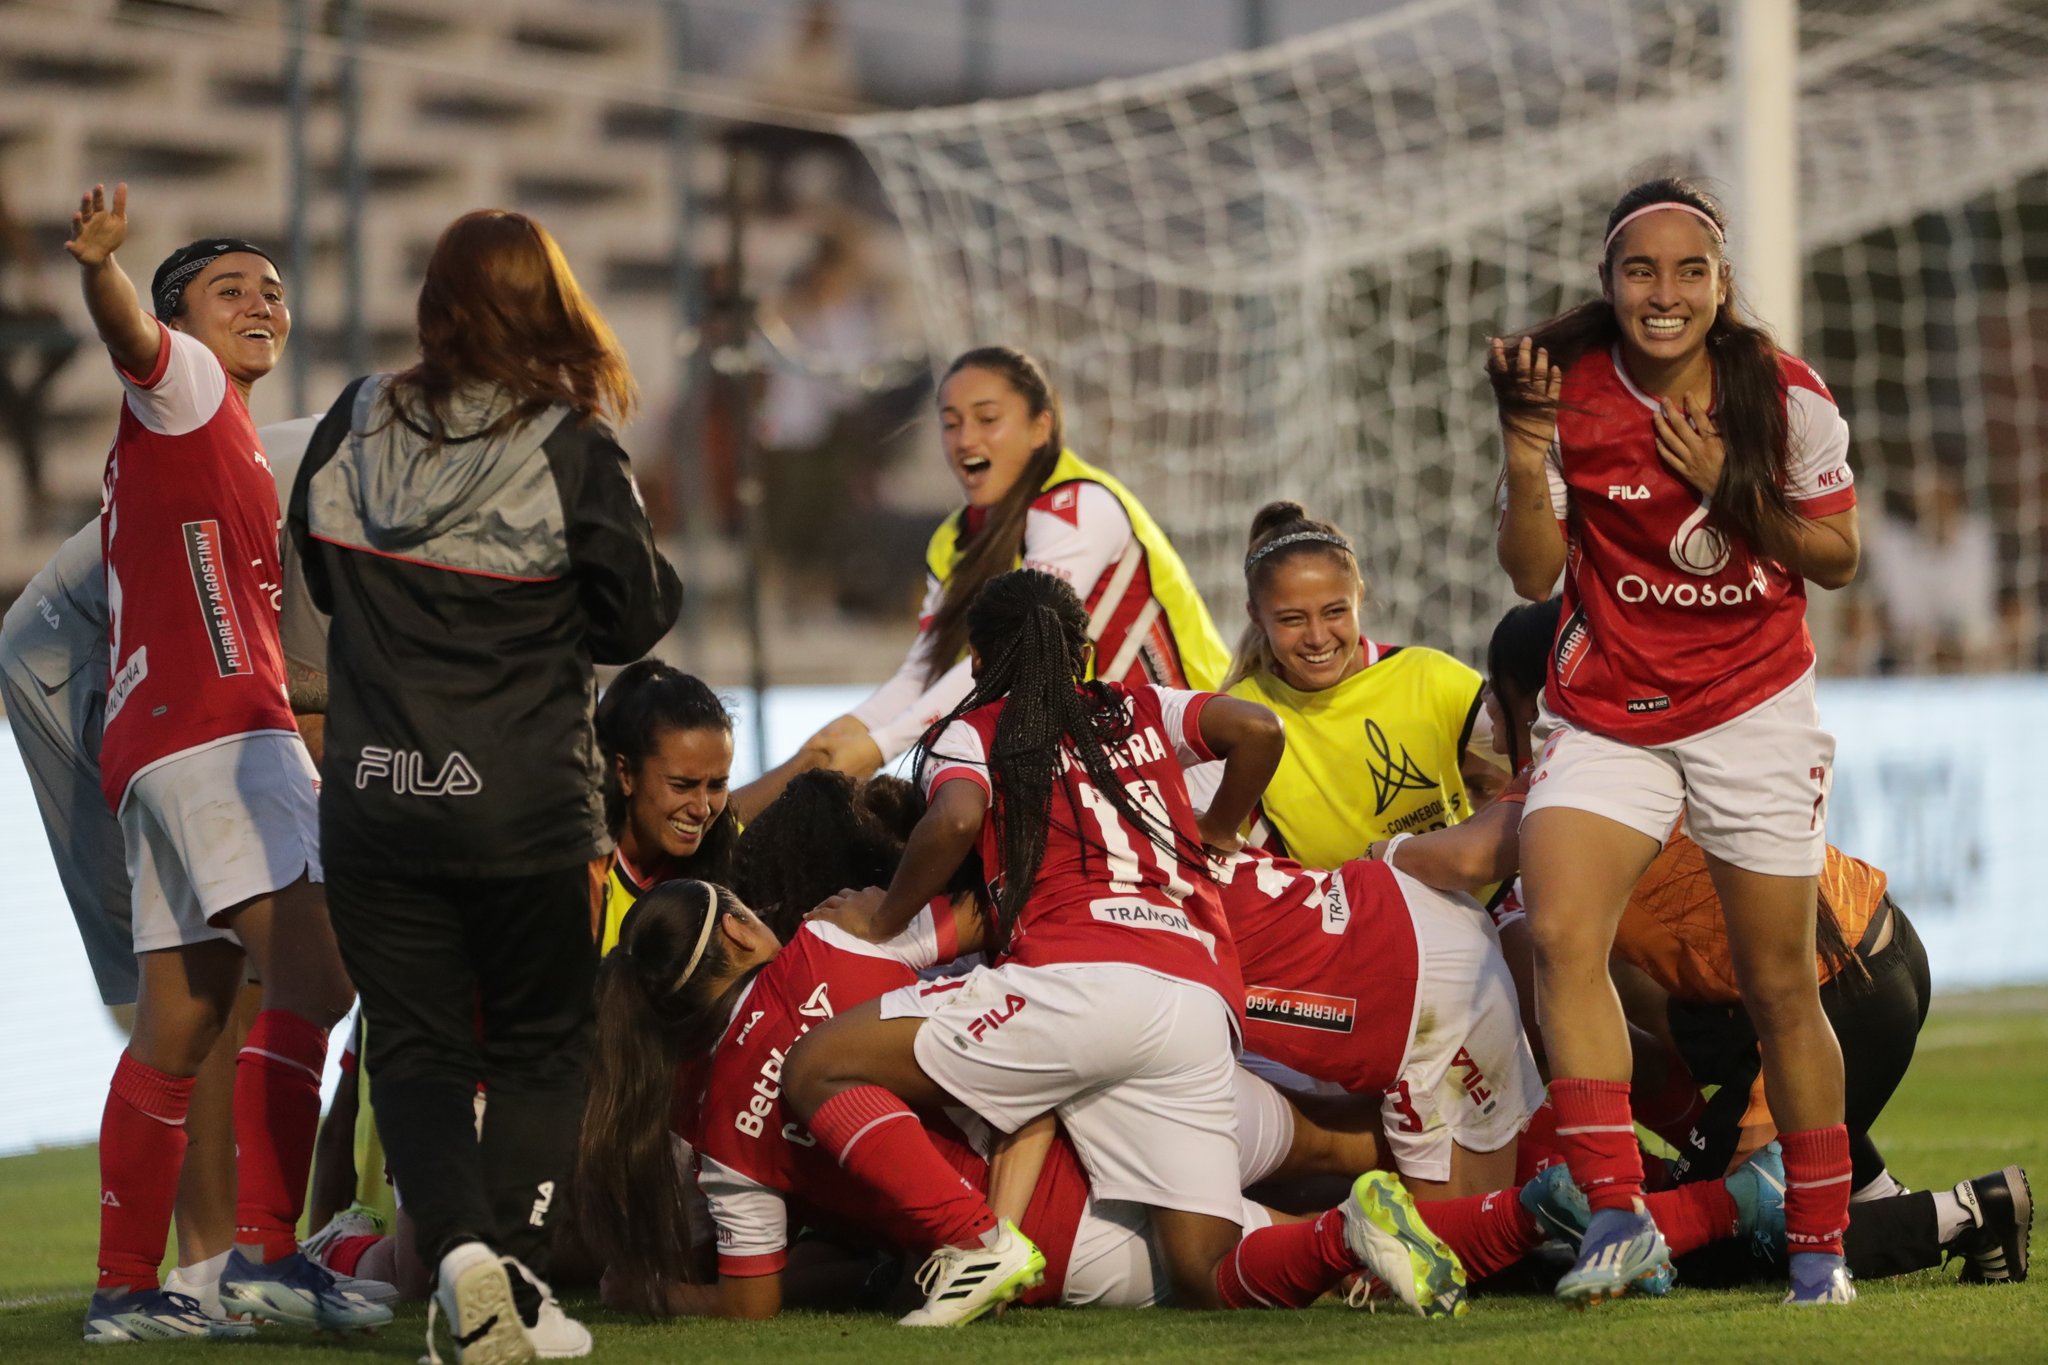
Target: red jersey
(188, 528)
(1669, 627)
(755, 1161)
(1105, 892)
(1330, 966)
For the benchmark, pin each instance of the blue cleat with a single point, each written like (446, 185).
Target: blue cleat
(297, 1291)
(1557, 1206)
(144, 1315)
(1758, 1187)
(1818, 1278)
(1621, 1246)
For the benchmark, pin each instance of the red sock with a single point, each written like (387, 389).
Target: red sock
(347, 1252)
(142, 1149)
(1690, 1216)
(1599, 1140)
(1538, 1149)
(1817, 1180)
(1288, 1265)
(879, 1142)
(1490, 1232)
(1670, 1111)
(277, 1114)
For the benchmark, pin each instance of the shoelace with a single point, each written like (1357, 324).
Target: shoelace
(1365, 1292)
(433, 1356)
(928, 1273)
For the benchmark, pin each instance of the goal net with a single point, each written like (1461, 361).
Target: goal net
(1273, 274)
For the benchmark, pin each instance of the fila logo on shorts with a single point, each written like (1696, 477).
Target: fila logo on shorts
(986, 1023)
(1474, 1081)
(406, 769)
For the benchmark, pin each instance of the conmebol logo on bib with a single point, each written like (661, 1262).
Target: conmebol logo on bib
(1699, 548)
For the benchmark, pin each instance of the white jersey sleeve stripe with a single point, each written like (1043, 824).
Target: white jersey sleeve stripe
(185, 390)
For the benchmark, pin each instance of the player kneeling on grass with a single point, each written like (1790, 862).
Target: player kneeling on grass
(216, 795)
(698, 1051)
(1115, 1002)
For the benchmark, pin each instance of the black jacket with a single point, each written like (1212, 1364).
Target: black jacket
(472, 588)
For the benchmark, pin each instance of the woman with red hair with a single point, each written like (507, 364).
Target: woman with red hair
(476, 534)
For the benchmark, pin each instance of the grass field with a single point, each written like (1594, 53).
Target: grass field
(1977, 1098)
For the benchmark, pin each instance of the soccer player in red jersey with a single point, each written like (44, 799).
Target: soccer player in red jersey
(1115, 1002)
(212, 784)
(1687, 478)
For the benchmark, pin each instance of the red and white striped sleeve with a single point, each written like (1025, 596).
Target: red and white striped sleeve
(1182, 713)
(1818, 480)
(959, 754)
(183, 389)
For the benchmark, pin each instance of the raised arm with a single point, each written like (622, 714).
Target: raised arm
(97, 231)
(1530, 543)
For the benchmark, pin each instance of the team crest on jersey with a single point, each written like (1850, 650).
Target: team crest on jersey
(1697, 547)
(216, 603)
(1390, 775)
(1300, 1009)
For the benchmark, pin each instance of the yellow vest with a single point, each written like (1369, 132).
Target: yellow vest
(1372, 757)
(1203, 656)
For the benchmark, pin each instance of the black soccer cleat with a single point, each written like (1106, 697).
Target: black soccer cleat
(2001, 1207)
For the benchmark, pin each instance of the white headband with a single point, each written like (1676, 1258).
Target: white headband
(1296, 538)
(1700, 214)
(703, 939)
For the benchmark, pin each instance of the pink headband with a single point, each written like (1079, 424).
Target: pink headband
(1704, 217)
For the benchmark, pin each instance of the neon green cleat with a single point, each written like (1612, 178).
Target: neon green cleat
(1389, 1238)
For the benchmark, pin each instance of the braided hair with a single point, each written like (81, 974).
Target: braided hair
(1030, 633)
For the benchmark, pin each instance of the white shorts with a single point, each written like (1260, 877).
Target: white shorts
(1265, 1127)
(217, 826)
(1753, 790)
(1469, 1077)
(1114, 1263)
(1138, 1066)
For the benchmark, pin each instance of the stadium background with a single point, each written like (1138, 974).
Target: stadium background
(1260, 258)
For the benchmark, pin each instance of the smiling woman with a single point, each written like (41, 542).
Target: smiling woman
(1377, 733)
(1030, 502)
(1687, 478)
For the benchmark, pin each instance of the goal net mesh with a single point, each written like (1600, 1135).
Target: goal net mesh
(1273, 274)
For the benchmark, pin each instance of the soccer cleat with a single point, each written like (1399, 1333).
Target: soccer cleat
(295, 1290)
(1388, 1236)
(144, 1315)
(1758, 1188)
(2001, 1208)
(962, 1283)
(554, 1334)
(1621, 1246)
(473, 1294)
(206, 1293)
(1818, 1278)
(357, 1220)
(1656, 1283)
(1557, 1205)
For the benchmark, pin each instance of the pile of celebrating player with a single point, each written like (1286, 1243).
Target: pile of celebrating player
(1181, 976)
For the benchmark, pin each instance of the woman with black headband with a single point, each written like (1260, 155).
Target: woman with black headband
(1376, 733)
(1686, 477)
(213, 787)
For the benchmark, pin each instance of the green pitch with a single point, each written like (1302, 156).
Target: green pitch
(1977, 1098)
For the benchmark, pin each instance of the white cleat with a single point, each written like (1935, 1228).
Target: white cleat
(473, 1294)
(962, 1283)
(1388, 1237)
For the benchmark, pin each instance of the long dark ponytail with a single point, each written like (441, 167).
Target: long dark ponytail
(655, 1010)
(645, 701)
(995, 547)
(1749, 502)
(1031, 633)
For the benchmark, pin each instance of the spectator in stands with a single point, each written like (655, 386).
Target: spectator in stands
(1935, 580)
(35, 347)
